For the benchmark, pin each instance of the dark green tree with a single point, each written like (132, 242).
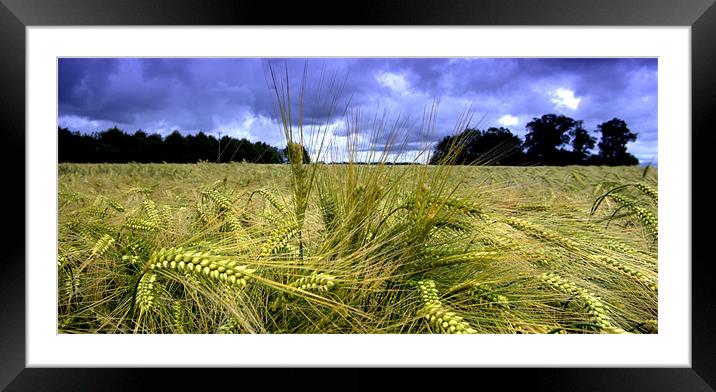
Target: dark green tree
(175, 148)
(112, 145)
(70, 146)
(115, 146)
(137, 150)
(206, 147)
(545, 138)
(612, 147)
(155, 148)
(582, 142)
(495, 146)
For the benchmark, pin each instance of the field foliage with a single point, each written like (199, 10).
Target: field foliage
(314, 248)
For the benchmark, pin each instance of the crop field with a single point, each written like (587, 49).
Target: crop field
(356, 249)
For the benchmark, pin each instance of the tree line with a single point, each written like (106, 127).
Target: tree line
(115, 146)
(550, 140)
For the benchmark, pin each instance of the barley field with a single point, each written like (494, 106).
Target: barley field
(356, 249)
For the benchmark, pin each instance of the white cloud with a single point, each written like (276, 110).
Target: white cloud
(508, 120)
(252, 127)
(646, 151)
(84, 124)
(564, 98)
(393, 81)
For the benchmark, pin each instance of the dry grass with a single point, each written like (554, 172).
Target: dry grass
(370, 233)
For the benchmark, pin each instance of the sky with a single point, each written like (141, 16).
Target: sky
(235, 97)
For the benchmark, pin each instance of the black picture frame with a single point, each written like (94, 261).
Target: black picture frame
(16, 15)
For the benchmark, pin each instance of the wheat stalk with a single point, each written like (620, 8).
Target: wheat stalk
(217, 267)
(592, 304)
(649, 191)
(150, 208)
(146, 293)
(102, 245)
(437, 314)
(646, 217)
(140, 224)
(541, 233)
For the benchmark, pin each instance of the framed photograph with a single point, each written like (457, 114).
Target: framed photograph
(150, 277)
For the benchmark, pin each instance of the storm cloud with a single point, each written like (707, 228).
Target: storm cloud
(234, 96)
